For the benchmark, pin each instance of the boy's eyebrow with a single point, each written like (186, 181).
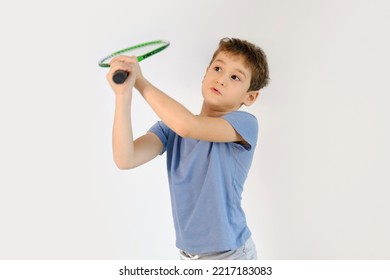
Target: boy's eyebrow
(237, 69)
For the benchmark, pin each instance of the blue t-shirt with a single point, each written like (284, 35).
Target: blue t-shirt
(206, 181)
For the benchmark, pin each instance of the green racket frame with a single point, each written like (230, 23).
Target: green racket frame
(103, 62)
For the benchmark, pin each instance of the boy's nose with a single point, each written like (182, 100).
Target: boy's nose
(219, 81)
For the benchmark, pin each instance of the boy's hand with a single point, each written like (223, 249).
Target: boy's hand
(125, 63)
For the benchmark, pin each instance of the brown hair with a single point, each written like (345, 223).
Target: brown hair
(254, 57)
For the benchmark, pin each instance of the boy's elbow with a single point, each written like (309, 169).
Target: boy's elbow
(183, 131)
(185, 127)
(122, 165)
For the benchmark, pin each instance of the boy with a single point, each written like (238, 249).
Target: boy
(208, 155)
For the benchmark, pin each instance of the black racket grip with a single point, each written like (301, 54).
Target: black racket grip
(120, 76)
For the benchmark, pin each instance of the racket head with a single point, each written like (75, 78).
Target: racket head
(141, 51)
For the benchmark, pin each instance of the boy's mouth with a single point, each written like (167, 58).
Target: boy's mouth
(216, 91)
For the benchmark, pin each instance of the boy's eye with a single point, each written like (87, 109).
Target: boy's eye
(217, 68)
(236, 78)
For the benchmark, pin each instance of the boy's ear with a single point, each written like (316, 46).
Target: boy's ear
(251, 97)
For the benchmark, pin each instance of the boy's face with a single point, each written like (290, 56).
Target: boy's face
(226, 83)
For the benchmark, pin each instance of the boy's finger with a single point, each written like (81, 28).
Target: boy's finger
(120, 65)
(123, 58)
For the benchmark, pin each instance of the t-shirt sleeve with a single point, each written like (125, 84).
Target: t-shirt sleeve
(246, 125)
(162, 132)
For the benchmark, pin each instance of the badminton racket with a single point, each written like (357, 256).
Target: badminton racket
(141, 51)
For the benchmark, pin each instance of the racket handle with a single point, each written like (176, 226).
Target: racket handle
(120, 76)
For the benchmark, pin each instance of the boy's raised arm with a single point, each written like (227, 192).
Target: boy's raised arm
(127, 152)
(182, 121)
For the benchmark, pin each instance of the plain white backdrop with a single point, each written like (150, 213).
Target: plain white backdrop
(319, 184)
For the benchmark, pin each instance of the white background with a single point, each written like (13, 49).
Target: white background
(319, 184)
